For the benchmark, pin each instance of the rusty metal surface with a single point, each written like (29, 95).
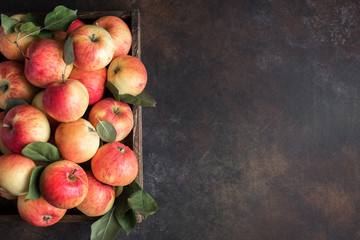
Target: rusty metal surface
(256, 133)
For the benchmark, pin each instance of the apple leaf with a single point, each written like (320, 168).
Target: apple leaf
(143, 99)
(123, 213)
(135, 185)
(8, 24)
(41, 151)
(106, 227)
(34, 192)
(60, 18)
(68, 55)
(30, 28)
(106, 131)
(13, 102)
(45, 34)
(127, 221)
(142, 203)
(37, 20)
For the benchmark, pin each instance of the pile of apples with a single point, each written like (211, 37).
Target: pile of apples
(66, 102)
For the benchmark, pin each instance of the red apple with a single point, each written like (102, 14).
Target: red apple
(100, 197)
(38, 102)
(15, 172)
(94, 81)
(66, 102)
(46, 63)
(22, 125)
(77, 141)
(118, 113)
(63, 184)
(3, 149)
(93, 47)
(74, 25)
(115, 164)
(119, 32)
(13, 83)
(128, 74)
(39, 212)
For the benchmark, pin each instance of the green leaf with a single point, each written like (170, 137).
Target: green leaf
(30, 28)
(106, 228)
(13, 102)
(142, 203)
(106, 131)
(37, 20)
(127, 221)
(135, 185)
(68, 55)
(34, 192)
(60, 18)
(45, 34)
(41, 151)
(8, 24)
(143, 99)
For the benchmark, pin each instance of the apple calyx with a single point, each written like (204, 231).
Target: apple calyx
(116, 70)
(47, 218)
(121, 149)
(91, 130)
(4, 87)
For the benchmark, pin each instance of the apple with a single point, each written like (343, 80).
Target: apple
(118, 113)
(63, 184)
(115, 164)
(93, 47)
(15, 172)
(119, 31)
(66, 101)
(22, 125)
(77, 141)
(100, 197)
(37, 101)
(60, 36)
(46, 63)
(74, 25)
(13, 83)
(39, 212)
(94, 81)
(3, 149)
(128, 74)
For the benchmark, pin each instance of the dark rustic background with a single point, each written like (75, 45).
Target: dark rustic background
(256, 133)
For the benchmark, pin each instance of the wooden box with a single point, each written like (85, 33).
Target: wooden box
(8, 208)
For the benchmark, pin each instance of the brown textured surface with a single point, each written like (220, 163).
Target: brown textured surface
(256, 132)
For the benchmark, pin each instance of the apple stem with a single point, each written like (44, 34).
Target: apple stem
(121, 149)
(46, 218)
(73, 173)
(21, 50)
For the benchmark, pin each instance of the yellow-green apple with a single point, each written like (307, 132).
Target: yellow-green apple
(13, 83)
(22, 125)
(118, 113)
(115, 164)
(39, 212)
(74, 25)
(46, 64)
(77, 141)
(66, 101)
(100, 197)
(64, 184)
(15, 172)
(37, 101)
(3, 149)
(119, 31)
(94, 81)
(128, 74)
(118, 190)
(93, 47)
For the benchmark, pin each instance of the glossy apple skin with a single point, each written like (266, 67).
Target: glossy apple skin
(15, 172)
(63, 186)
(94, 81)
(74, 25)
(66, 102)
(39, 212)
(119, 31)
(3, 149)
(46, 63)
(10, 50)
(77, 141)
(22, 125)
(118, 113)
(100, 197)
(115, 164)
(128, 74)
(37, 102)
(93, 47)
(13, 83)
